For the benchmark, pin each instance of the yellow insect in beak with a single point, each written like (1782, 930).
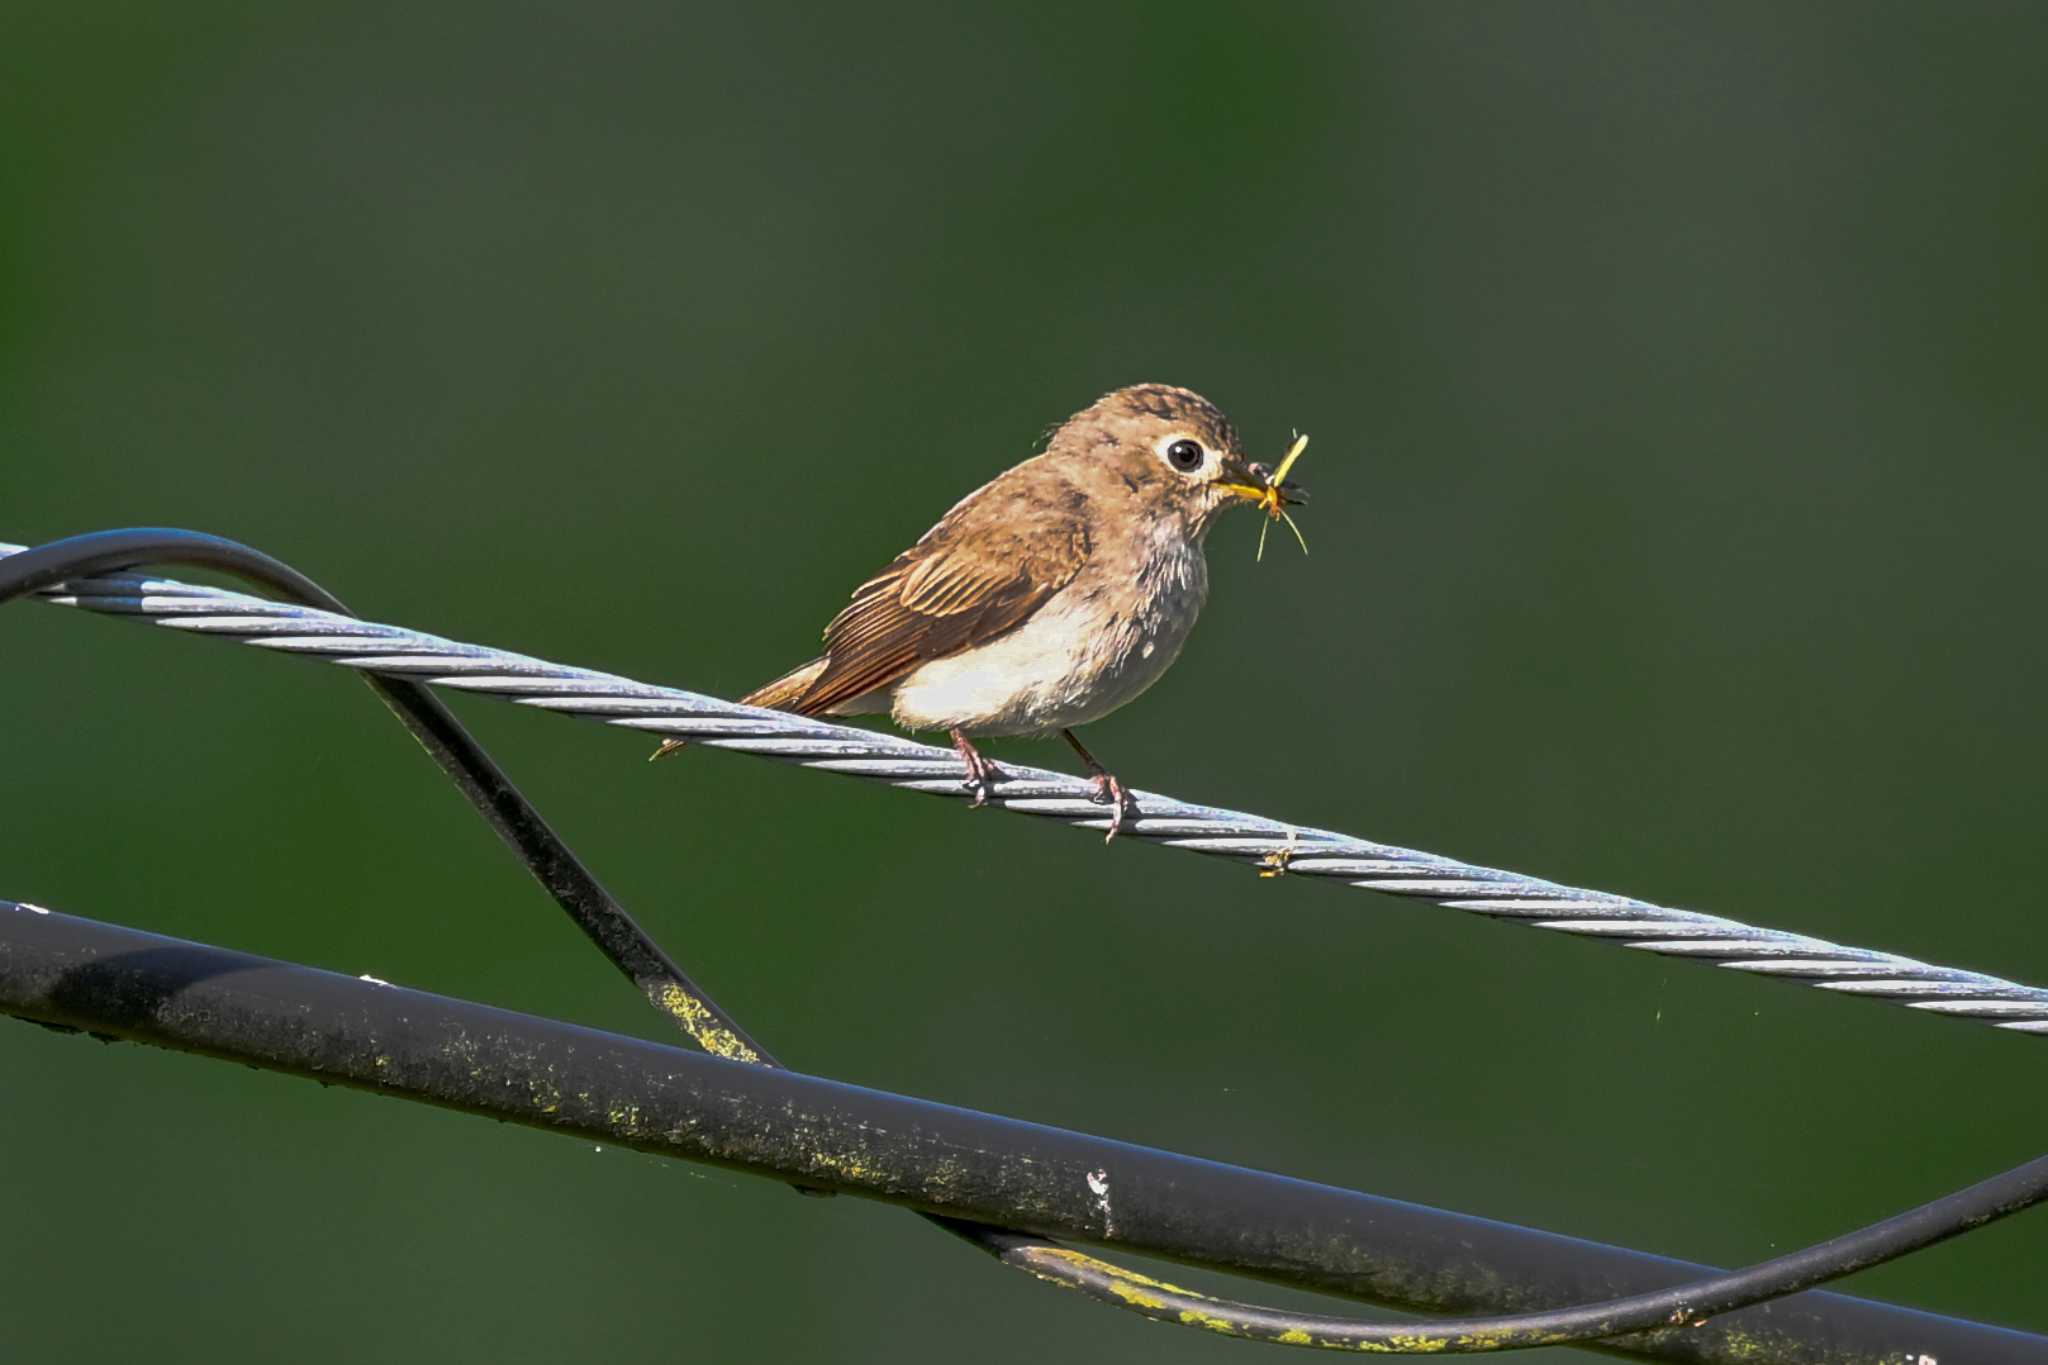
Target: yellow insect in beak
(1273, 497)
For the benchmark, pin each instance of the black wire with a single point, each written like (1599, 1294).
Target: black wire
(479, 778)
(1684, 1306)
(659, 978)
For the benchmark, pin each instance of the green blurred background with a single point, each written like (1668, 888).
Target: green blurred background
(1676, 379)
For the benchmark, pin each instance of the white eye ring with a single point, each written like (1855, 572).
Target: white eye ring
(1184, 454)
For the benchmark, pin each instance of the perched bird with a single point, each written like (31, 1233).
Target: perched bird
(1049, 596)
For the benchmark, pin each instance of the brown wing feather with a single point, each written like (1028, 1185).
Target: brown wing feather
(973, 577)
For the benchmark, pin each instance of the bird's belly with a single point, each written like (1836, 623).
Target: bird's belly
(1074, 661)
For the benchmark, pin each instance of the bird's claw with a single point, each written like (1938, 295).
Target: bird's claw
(982, 775)
(981, 786)
(1112, 793)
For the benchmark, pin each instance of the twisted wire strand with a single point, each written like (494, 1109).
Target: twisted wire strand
(1272, 846)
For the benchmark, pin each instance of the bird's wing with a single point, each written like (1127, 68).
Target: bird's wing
(966, 582)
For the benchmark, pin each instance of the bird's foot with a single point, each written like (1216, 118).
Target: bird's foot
(1111, 792)
(668, 746)
(981, 779)
(982, 775)
(1108, 791)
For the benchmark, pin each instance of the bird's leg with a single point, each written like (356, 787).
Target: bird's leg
(1108, 790)
(981, 774)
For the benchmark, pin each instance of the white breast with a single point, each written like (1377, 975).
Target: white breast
(1094, 646)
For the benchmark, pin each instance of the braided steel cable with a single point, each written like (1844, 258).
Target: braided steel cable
(1270, 845)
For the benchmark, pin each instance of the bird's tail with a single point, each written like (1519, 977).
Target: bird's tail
(780, 695)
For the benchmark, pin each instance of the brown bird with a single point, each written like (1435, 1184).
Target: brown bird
(1049, 596)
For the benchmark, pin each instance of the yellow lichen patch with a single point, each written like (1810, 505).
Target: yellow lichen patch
(1741, 1345)
(695, 1017)
(848, 1168)
(946, 1176)
(1128, 1285)
(1499, 1341)
(1420, 1345)
(1117, 1272)
(1294, 1336)
(546, 1097)
(1191, 1318)
(1136, 1297)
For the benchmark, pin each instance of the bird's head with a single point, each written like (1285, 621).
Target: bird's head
(1173, 453)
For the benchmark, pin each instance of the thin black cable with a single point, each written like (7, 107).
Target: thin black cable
(447, 741)
(1684, 1306)
(501, 803)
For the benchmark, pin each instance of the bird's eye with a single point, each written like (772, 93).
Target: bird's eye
(1186, 456)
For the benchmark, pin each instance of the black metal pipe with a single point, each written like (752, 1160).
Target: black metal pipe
(123, 983)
